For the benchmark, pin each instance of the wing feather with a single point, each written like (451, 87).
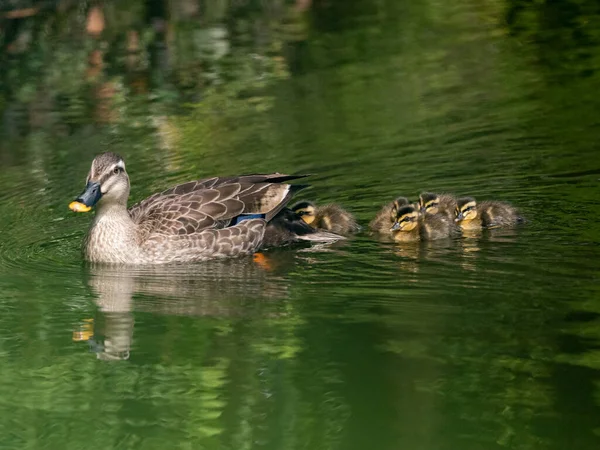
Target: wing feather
(241, 239)
(138, 210)
(212, 203)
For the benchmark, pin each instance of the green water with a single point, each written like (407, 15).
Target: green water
(487, 342)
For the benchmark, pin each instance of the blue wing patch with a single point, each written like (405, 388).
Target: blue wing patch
(243, 217)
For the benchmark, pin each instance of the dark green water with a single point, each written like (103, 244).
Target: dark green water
(488, 342)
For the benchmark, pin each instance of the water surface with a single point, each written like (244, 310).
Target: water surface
(487, 342)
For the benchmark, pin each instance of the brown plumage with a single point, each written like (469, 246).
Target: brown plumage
(204, 219)
(327, 217)
(471, 214)
(444, 204)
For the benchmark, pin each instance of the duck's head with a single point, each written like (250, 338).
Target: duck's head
(466, 209)
(306, 210)
(107, 184)
(429, 202)
(404, 218)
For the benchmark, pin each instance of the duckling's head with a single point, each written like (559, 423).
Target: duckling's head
(400, 202)
(396, 205)
(405, 218)
(429, 202)
(306, 210)
(107, 184)
(466, 209)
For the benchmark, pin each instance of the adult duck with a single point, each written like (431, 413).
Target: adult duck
(199, 220)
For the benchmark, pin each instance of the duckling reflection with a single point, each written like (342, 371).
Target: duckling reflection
(330, 217)
(476, 238)
(488, 214)
(215, 288)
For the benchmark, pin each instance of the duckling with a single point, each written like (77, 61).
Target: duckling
(406, 223)
(443, 204)
(472, 215)
(328, 217)
(287, 227)
(387, 215)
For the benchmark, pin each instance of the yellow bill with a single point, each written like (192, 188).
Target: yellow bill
(79, 207)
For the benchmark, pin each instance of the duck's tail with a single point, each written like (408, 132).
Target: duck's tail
(320, 236)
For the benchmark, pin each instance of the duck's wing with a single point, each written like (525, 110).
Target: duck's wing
(241, 239)
(186, 211)
(140, 209)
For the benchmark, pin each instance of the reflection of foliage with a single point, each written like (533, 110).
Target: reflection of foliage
(61, 74)
(565, 33)
(485, 380)
(587, 332)
(238, 389)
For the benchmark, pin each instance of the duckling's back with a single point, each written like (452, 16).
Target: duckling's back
(336, 219)
(382, 221)
(498, 214)
(436, 226)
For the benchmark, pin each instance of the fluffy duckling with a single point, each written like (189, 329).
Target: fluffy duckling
(328, 217)
(387, 215)
(472, 215)
(405, 224)
(287, 227)
(444, 204)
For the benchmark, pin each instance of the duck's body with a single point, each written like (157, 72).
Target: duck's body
(471, 214)
(438, 204)
(386, 216)
(330, 217)
(407, 224)
(205, 219)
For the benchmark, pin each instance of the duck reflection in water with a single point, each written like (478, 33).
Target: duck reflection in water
(221, 288)
(474, 240)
